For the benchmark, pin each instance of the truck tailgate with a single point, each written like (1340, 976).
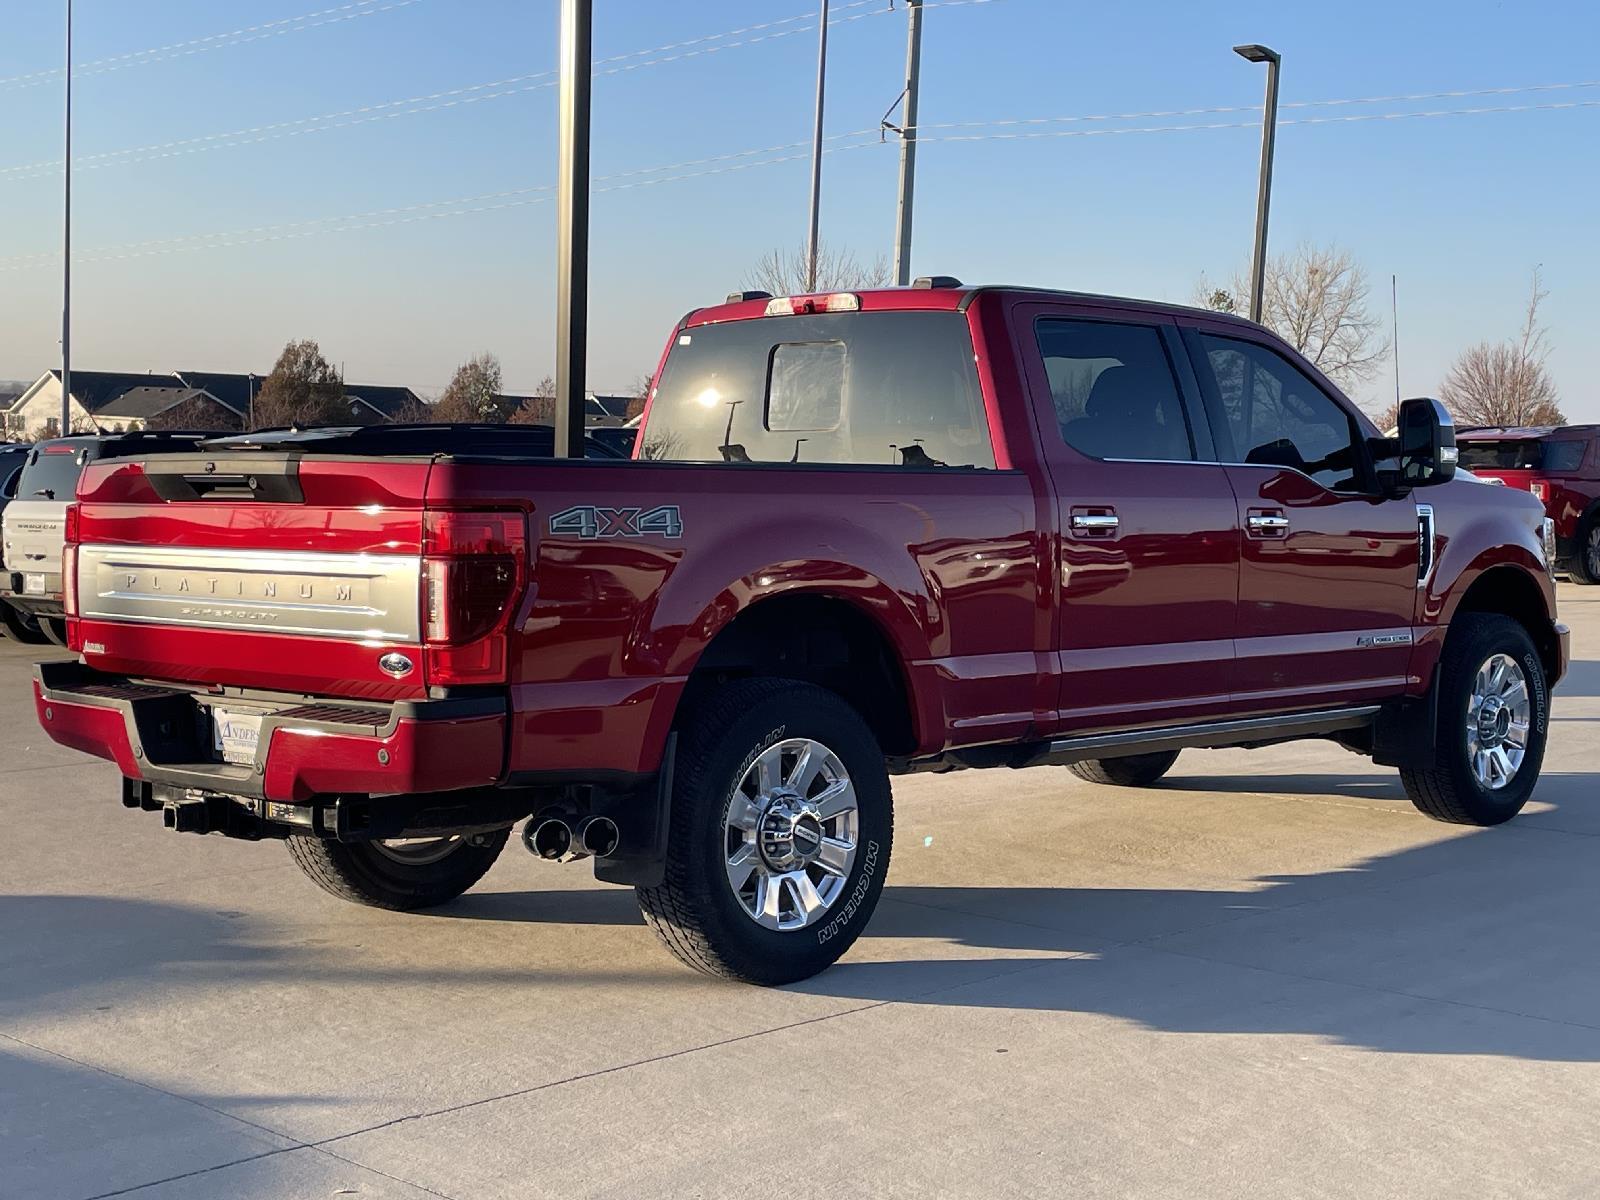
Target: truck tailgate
(254, 570)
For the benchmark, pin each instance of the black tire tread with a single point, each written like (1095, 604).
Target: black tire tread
(1436, 790)
(676, 910)
(339, 870)
(1578, 569)
(1133, 770)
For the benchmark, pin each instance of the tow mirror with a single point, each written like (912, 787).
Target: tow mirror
(1423, 451)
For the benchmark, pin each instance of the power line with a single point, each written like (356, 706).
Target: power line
(426, 211)
(1153, 114)
(215, 41)
(1190, 127)
(434, 101)
(652, 176)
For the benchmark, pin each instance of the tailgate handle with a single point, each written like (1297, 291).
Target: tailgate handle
(274, 480)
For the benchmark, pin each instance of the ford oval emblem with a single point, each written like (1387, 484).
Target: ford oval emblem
(395, 664)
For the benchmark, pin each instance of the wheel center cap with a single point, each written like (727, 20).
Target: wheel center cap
(1494, 721)
(790, 834)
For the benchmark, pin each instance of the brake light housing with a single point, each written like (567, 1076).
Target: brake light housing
(69, 578)
(474, 574)
(1540, 489)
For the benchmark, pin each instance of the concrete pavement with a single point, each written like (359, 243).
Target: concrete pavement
(1268, 977)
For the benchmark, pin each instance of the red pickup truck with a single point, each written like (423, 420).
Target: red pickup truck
(864, 534)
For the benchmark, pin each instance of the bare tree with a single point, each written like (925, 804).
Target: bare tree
(473, 395)
(1316, 299)
(639, 393)
(784, 274)
(539, 408)
(303, 389)
(1506, 383)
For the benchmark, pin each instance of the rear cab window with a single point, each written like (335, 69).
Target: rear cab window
(50, 473)
(885, 389)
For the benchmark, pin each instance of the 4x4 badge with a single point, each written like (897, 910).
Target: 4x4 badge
(591, 522)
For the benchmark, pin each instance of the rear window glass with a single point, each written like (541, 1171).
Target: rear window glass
(881, 389)
(805, 389)
(49, 476)
(1521, 454)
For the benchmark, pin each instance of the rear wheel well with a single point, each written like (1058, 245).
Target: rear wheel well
(819, 640)
(1512, 592)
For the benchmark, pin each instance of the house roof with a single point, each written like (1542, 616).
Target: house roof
(386, 399)
(142, 403)
(131, 395)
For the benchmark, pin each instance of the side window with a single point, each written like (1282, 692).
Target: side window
(1115, 395)
(1564, 457)
(1278, 417)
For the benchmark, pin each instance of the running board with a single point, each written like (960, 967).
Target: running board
(1209, 736)
(1252, 731)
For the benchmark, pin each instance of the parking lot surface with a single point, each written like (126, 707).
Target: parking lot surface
(1268, 976)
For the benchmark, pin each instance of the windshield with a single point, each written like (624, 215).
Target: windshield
(879, 389)
(1521, 454)
(49, 475)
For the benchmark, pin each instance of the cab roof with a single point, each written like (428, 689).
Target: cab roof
(942, 294)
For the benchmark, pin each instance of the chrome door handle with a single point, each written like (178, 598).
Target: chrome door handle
(1267, 523)
(1094, 522)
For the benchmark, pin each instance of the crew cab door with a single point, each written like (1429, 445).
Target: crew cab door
(1328, 577)
(1147, 539)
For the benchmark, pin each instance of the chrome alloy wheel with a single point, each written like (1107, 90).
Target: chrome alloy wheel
(790, 834)
(1591, 552)
(417, 852)
(1498, 715)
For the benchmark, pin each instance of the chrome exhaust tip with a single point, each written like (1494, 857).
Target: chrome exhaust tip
(597, 836)
(549, 839)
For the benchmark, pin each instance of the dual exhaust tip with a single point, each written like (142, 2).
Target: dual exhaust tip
(554, 840)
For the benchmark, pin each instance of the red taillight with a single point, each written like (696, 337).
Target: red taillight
(1541, 490)
(69, 564)
(473, 571)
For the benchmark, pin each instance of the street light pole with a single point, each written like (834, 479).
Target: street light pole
(816, 152)
(572, 204)
(66, 252)
(1269, 128)
(908, 146)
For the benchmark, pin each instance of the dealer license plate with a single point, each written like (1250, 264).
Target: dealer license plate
(237, 735)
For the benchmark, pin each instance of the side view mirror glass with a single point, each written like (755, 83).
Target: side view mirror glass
(1423, 450)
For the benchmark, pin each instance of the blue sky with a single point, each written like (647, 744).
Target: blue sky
(1460, 208)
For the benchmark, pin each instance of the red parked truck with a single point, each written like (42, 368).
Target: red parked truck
(1560, 465)
(864, 534)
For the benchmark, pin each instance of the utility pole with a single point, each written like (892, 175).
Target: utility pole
(1394, 334)
(66, 253)
(908, 146)
(1269, 129)
(572, 204)
(816, 152)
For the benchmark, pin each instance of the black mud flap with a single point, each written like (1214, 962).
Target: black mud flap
(1406, 731)
(643, 819)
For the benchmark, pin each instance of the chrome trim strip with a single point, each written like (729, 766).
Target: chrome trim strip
(306, 593)
(1213, 733)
